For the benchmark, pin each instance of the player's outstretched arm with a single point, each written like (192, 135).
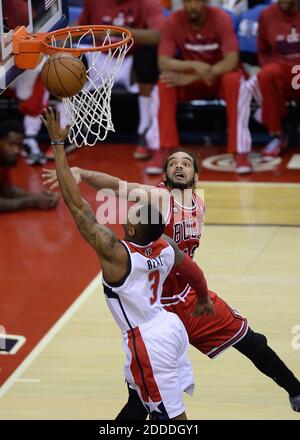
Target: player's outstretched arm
(192, 273)
(97, 180)
(111, 253)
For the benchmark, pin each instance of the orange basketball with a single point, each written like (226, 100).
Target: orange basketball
(64, 75)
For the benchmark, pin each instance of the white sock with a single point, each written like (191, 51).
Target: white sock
(32, 126)
(63, 115)
(145, 114)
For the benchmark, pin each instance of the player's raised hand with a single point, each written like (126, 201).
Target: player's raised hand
(204, 307)
(52, 123)
(50, 177)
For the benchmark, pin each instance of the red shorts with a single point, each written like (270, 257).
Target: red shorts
(211, 334)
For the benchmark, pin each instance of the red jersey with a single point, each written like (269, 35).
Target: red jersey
(208, 43)
(184, 226)
(278, 36)
(5, 179)
(146, 14)
(16, 12)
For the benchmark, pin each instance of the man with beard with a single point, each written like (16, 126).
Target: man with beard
(199, 59)
(184, 213)
(13, 198)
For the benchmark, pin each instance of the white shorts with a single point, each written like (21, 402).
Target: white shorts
(157, 365)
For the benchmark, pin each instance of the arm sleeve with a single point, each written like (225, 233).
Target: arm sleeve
(228, 39)
(167, 44)
(193, 275)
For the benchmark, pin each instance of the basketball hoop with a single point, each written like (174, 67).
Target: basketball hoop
(102, 49)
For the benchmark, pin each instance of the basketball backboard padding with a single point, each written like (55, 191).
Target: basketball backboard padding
(38, 16)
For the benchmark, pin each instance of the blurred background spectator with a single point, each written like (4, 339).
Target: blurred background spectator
(198, 59)
(135, 104)
(144, 19)
(13, 198)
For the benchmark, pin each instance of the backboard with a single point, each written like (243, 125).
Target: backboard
(36, 16)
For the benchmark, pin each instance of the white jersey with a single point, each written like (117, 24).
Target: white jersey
(137, 300)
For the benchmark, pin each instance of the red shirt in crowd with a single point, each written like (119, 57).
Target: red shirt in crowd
(278, 36)
(5, 180)
(208, 43)
(146, 14)
(16, 12)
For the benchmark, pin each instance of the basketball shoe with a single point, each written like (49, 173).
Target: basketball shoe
(295, 403)
(32, 152)
(142, 152)
(155, 165)
(276, 145)
(243, 164)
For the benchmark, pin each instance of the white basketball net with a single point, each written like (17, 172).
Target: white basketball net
(89, 112)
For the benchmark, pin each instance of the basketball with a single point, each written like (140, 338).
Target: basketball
(64, 75)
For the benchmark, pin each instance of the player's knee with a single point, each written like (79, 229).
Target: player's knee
(252, 345)
(257, 342)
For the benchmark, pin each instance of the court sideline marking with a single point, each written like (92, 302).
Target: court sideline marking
(50, 334)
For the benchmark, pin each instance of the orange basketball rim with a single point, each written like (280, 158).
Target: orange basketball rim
(29, 48)
(103, 48)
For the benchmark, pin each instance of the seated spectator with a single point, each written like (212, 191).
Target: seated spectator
(278, 52)
(13, 198)
(28, 87)
(143, 19)
(172, 5)
(198, 58)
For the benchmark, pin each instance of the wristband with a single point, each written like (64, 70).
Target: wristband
(57, 142)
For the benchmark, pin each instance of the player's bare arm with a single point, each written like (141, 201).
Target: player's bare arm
(195, 277)
(121, 188)
(177, 79)
(97, 180)
(227, 64)
(187, 66)
(111, 253)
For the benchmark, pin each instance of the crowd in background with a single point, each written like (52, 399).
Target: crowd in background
(235, 50)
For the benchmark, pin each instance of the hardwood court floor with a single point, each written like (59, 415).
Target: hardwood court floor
(79, 373)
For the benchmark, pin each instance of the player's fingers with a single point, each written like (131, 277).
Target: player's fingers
(52, 115)
(55, 185)
(48, 182)
(50, 177)
(43, 120)
(48, 173)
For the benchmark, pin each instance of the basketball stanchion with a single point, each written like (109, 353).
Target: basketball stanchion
(86, 89)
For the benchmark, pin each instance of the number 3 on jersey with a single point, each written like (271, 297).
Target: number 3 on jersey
(154, 282)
